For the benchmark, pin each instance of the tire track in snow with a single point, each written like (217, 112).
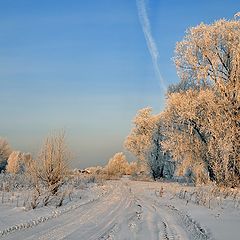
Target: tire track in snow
(164, 230)
(120, 214)
(94, 222)
(127, 224)
(114, 226)
(159, 226)
(35, 222)
(54, 215)
(197, 232)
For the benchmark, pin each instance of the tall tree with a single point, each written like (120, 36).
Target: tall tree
(186, 135)
(209, 58)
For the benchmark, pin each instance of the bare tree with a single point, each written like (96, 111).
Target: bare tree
(51, 166)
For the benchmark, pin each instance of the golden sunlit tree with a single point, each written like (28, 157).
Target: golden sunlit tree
(202, 114)
(145, 142)
(51, 166)
(186, 136)
(117, 165)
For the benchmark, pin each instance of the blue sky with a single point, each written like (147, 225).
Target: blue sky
(85, 66)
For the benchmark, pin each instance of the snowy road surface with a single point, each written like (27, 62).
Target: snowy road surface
(129, 210)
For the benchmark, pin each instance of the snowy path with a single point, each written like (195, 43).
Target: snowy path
(131, 210)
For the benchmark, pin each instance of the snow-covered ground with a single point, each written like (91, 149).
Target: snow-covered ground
(124, 209)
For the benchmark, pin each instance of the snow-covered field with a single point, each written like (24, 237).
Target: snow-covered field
(125, 209)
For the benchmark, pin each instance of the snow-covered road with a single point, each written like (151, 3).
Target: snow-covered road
(129, 210)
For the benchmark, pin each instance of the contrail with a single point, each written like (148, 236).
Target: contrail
(152, 47)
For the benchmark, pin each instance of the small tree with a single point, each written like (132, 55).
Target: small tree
(51, 166)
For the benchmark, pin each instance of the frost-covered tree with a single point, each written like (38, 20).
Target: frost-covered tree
(159, 160)
(14, 163)
(27, 161)
(117, 165)
(132, 168)
(51, 166)
(203, 110)
(186, 136)
(5, 151)
(18, 162)
(139, 140)
(144, 141)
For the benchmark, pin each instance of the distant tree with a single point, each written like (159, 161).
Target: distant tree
(18, 162)
(5, 151)
(117, 165)
(26, 161)
(132, 168)
(14, 163)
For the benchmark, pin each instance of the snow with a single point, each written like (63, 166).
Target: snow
(123, 209)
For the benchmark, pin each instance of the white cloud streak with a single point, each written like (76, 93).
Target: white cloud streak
(152, 47)
(237, 16)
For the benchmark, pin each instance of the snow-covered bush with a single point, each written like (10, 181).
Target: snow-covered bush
(117, 165)
(14, 182)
